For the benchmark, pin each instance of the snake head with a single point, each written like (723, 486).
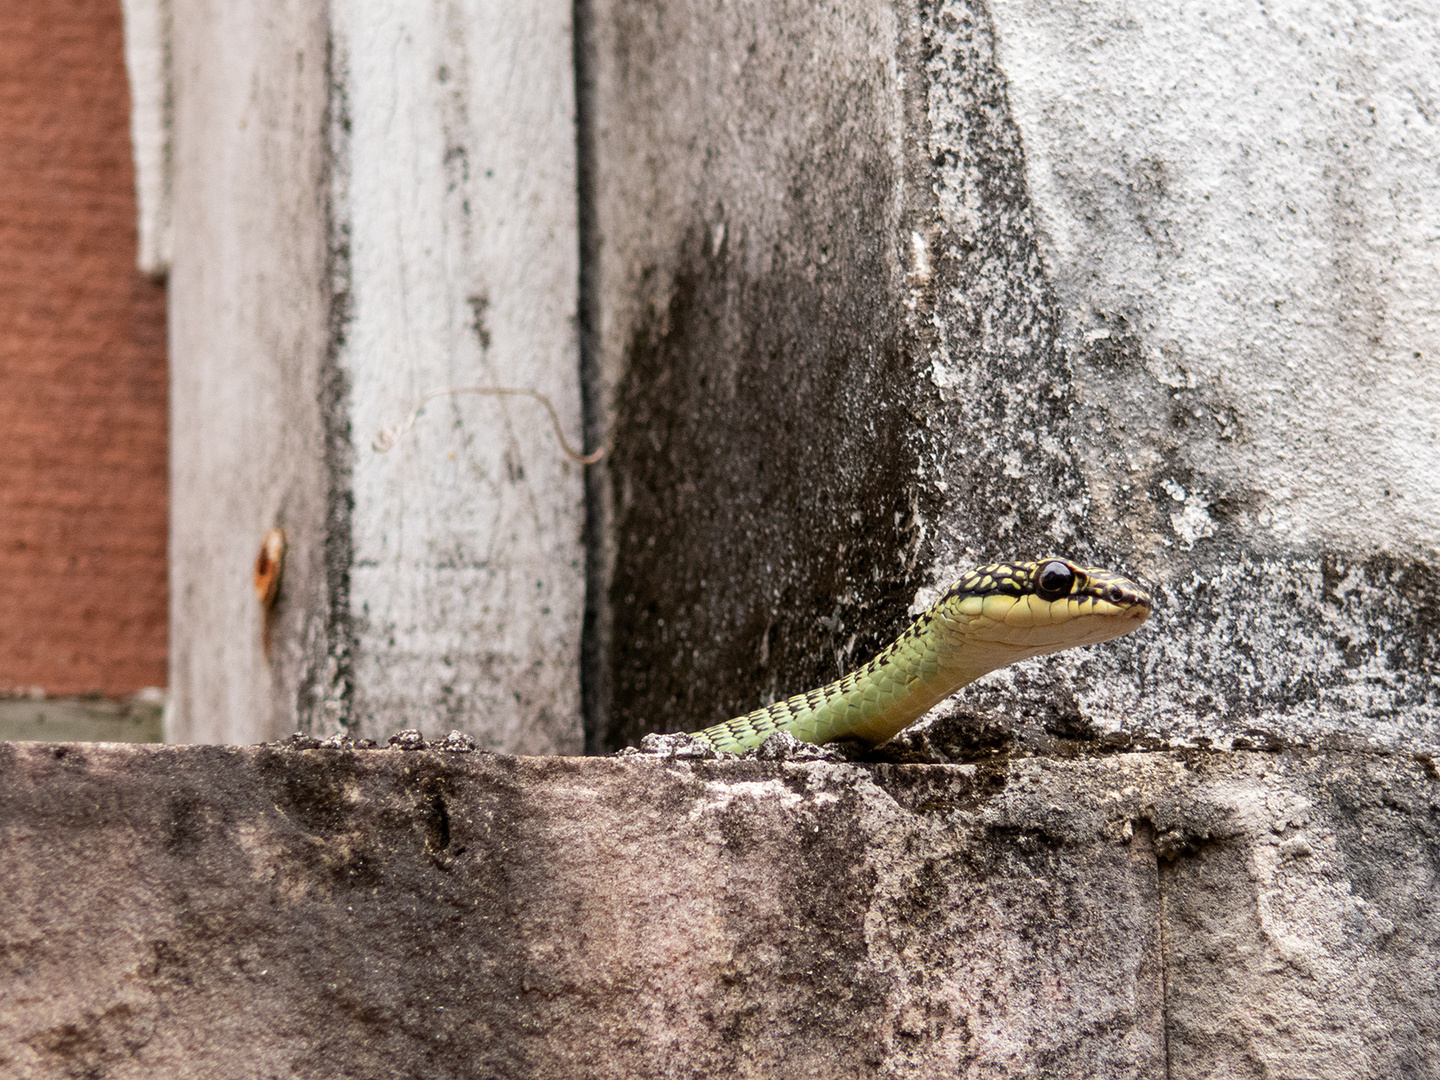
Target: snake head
(1028, 609)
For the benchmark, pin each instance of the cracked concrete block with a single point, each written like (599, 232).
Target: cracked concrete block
(314, 912)
(372, 203)
(883, 290)
(1301, 934)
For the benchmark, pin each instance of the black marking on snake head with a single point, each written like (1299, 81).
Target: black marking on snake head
(997, 579)
(1113, 588)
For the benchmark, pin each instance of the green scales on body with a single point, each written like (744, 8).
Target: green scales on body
(991, 617)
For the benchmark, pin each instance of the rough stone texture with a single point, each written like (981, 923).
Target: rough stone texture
(82, 367)
(1235, 207)
(321, 913)
(373, 202)
(884, 291)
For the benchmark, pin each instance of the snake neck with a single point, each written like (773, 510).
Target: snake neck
(873, 703)
(990, 617)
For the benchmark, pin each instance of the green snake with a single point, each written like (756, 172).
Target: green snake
(990, 617)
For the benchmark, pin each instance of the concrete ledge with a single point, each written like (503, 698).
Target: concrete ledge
(315, 913)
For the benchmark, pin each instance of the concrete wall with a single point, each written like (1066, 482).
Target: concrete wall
(371, 203)
(1236, 209)
(455, 194)
(319, 913)
(750, 208)
(255, 443)
(874, 292)
(884, 291)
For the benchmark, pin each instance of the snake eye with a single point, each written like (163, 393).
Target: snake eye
(1054, 580)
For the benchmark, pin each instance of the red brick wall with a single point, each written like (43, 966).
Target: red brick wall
(82, 366)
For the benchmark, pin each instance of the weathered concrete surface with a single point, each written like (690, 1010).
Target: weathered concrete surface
(886, 290)
(373, 202)
(320, 913)
(750, 337)
(250, 301)
(1236, 209)
(455, 181)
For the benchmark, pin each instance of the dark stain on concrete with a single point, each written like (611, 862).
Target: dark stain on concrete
(764, 483)
(619, 916)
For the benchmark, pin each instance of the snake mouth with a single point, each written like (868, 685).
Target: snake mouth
(1110, 617)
